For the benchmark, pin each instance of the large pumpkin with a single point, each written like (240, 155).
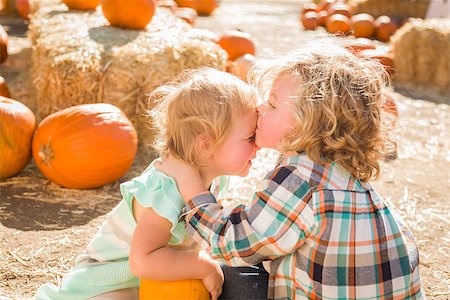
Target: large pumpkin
(81, 4)
(17, 124)
(85, 146)
(132, 14)
(192, 289)
(236, 43)
(3, 44)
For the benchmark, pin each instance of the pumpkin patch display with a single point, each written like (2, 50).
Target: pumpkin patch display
(130, 14)
(3, 44)
(17, 124)
(236, 43)
(81, 4)
(191, 289)
(85, 146)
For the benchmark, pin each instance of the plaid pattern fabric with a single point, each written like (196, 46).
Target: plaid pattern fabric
(328, 235)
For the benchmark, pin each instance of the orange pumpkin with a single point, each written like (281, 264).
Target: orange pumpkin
(202, 7)
(363, 25)
(17, 124)
(359, 44)
(23, 8)
(81, 4)
(338, 24)
(131, 14)
(383, 55)
(241, 65)
(325, 5)
(3, 44)
(385, 28)
(339, 8)
(192, 289)
(236, 43)
(85, 146)
(389, 104)
(307, 7)
(187, 14)
(310, 20)
(4, 90)
(322, 17)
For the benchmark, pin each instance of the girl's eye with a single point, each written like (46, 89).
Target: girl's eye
(269, 104)
(252, 138)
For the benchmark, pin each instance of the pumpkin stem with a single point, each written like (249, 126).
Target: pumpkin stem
(46, 154)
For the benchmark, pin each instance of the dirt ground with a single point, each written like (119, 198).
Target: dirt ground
(44, 227)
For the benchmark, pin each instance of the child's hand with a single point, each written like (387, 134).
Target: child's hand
(214, 277)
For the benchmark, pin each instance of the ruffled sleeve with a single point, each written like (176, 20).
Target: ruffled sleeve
(153, 189)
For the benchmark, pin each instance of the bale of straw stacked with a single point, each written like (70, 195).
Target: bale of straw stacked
(422, 54)
(401, 9)
(78, 58)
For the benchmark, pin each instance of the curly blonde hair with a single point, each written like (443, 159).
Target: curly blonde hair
(200, 101)
(337, 105)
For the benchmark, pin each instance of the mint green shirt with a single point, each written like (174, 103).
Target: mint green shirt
(104, 266)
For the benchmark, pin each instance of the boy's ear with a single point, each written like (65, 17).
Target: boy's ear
(203, 146)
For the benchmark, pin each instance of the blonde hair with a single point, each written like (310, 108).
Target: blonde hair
(202, 101)
(337, 106)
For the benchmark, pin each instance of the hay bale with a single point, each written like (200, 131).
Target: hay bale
(78, 58)
(400, 9)
(421, 50)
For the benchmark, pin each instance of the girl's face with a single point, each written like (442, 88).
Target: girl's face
(276, 116)
(233, 156)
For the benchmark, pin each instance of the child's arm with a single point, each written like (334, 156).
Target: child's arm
(150, 257)
(275, 224)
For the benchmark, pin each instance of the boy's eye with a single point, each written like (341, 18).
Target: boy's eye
(252, 138)
(269, 104)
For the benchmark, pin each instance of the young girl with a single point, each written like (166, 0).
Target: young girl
(206, 119)
(326, 232)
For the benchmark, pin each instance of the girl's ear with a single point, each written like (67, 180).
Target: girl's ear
(203, 146)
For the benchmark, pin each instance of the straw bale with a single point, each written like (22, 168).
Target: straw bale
(422, 54)
(401, 9)
(78, 58)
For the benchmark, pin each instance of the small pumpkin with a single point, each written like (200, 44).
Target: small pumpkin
(385, 28)
(358, 44)
(202, 7)
(81, 4)
(23, 8)
(339, 8)
(389, 104)
(187, 14)
(17, 124)
(85, 146)
(310, 20)
(241, 65)
(324, 5)
(307, 7)
(3, 44)
(4, 90)
(383, 54)
(130, 14)
(191, 289)
(236, 43)
(338, 24)
(322, 17)
(363, 25)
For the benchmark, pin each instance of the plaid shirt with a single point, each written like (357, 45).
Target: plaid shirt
(328, 235)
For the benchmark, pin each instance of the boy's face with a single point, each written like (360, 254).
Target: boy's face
(233, 156)
(276, 116)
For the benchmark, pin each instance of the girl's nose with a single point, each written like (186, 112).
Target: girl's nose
(260, 108)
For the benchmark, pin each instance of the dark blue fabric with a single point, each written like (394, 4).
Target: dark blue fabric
(244, 283)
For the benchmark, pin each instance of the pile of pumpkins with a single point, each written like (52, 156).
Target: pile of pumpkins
(337, 17)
